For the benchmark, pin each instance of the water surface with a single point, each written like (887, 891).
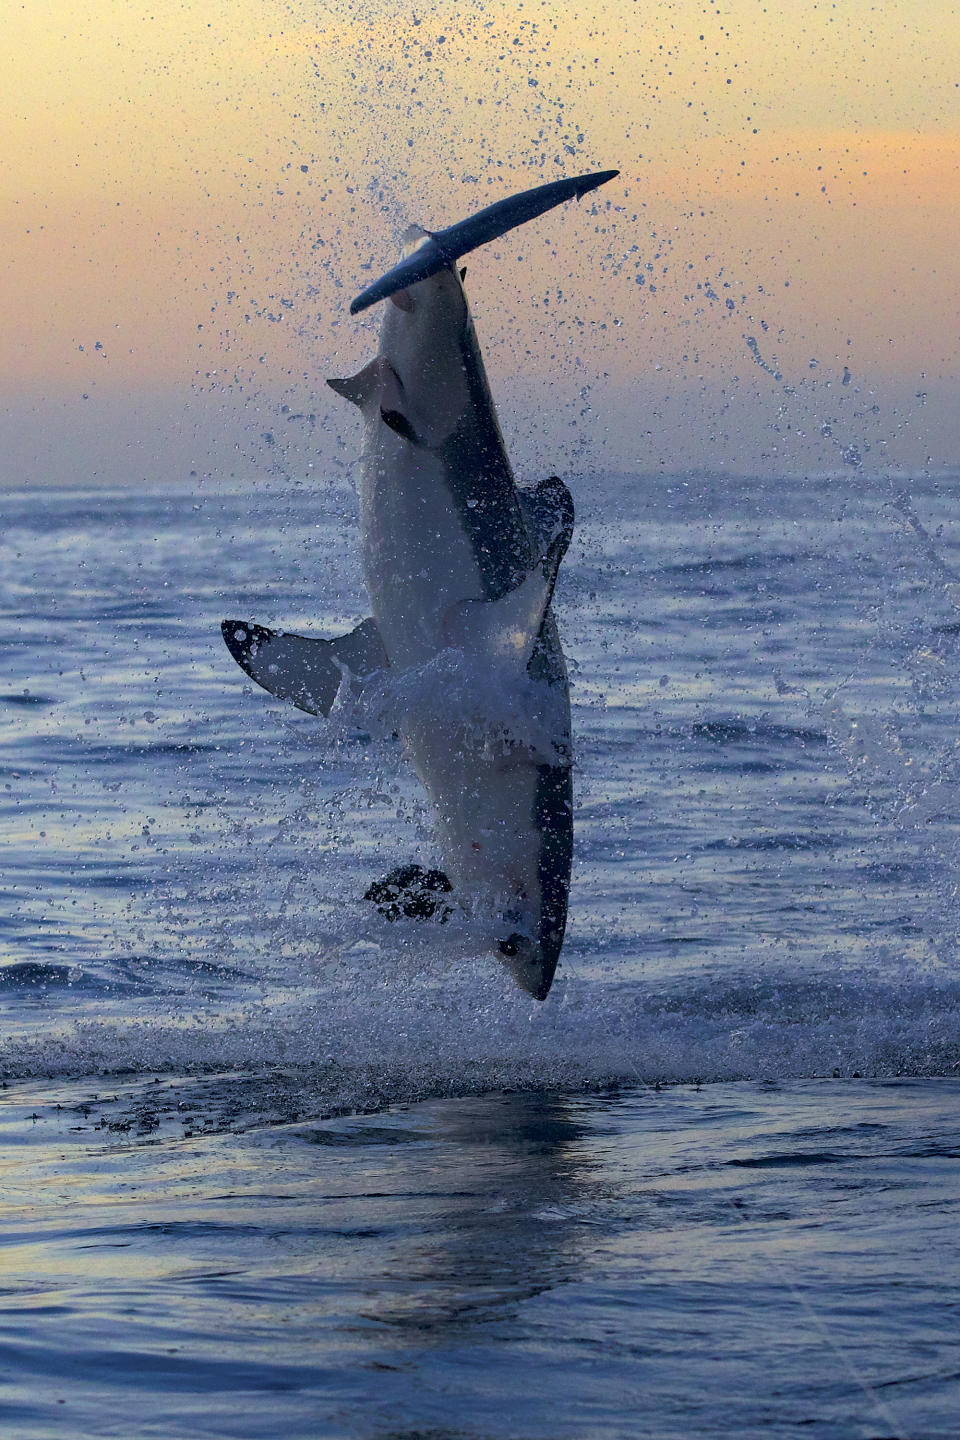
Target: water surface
(275, 1165)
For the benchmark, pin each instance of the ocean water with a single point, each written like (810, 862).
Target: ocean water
(272, 1165)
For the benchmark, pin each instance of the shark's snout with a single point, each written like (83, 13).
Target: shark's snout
(530, 964)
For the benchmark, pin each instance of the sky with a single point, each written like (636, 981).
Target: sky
(191, 191)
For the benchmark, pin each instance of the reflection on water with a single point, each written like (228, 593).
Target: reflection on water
(492, 1242)
(719, 1262)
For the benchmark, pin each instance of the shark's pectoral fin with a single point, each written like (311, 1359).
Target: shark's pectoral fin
(507, 628)
(295, 667)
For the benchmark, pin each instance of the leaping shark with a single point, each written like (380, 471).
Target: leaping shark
(457, 558)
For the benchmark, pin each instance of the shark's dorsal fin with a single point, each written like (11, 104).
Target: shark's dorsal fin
(298, 668)
(548, 514)
(507, 628)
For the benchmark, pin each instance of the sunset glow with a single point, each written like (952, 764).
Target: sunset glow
(188, 204)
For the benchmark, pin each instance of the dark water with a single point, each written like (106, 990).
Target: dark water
(273, 1165)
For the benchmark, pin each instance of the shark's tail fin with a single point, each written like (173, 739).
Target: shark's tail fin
(443, 248)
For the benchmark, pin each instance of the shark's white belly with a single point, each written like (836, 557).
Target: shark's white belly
(419, 565)
(418, 561)
(485, 803)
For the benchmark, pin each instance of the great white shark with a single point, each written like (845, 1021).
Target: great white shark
(459, 562)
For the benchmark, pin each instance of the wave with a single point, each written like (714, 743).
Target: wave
(379, 1032)
(27, 699)
(759, 561)
(22, 973)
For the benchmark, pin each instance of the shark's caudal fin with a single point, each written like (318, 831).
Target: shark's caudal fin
(508, 628)
(297, 668)
(442, 248)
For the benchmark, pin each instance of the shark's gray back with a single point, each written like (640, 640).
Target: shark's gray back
(481, 483)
